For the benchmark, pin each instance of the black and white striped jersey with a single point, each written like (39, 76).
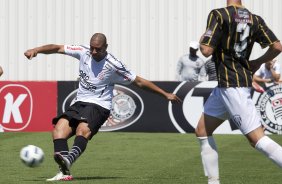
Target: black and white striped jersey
(232, 32)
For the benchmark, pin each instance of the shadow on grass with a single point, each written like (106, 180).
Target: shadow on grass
(96, 178)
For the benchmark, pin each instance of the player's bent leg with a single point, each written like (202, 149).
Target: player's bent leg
(62, 130)
(206, 125)
(266, 145)
(80, 142)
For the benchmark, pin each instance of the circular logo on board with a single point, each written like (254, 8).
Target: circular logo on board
(16, 107)
(127, 107)
(269, 106)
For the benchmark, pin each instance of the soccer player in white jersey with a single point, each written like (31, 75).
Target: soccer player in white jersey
(98, 71)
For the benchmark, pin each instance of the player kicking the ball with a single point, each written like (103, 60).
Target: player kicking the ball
(98, 71)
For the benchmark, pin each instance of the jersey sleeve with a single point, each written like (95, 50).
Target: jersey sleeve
(74, 50)
(213, 30)
(265, 36)
(123, 75)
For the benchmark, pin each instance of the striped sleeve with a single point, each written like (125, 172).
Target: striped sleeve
(214, 30)
(265, 36)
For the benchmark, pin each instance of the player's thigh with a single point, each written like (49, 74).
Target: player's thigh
(255, 135)
(207, 125)
(215, 106)
(241, 109)
(95, 117)
(62, 129)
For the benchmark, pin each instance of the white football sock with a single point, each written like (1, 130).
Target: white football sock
(210, 159)
(271, 149)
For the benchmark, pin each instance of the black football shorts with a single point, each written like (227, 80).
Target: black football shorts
(90, 113)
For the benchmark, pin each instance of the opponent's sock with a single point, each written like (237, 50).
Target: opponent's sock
(271, 149)
(78, 148)
(209, 158)
(61, 146)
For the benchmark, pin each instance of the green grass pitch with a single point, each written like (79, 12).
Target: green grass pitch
(140, 158)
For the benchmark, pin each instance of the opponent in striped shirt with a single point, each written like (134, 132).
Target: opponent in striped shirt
(229, 37)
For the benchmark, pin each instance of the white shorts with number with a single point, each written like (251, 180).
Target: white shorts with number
(236, 104)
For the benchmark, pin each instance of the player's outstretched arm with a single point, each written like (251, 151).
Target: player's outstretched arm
(260, 79)
(145, 84)
(45, 49)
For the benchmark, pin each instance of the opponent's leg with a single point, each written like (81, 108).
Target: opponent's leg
(206, 126)
(266, 145)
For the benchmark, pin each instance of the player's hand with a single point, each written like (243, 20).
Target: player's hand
(173, 98)
(29, 54)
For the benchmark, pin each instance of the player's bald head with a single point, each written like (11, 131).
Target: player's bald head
(99, 37)
(238, 2)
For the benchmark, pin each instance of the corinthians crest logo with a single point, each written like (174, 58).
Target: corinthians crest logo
(269, 106)
(127, 107)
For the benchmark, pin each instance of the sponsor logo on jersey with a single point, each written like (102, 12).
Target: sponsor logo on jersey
(84, 82)
(74, 48)
(17, 103)
(127, 108)
(269, 106)
(243, 16)
(208, 33)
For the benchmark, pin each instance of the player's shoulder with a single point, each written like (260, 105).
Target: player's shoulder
(231, 10)
(218, 11)
(112, 60)
(258, 18)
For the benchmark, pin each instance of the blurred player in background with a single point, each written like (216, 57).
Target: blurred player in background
(268, 72)
(99, 71)
(229, 37)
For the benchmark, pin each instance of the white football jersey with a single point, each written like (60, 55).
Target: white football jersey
(97, 79)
